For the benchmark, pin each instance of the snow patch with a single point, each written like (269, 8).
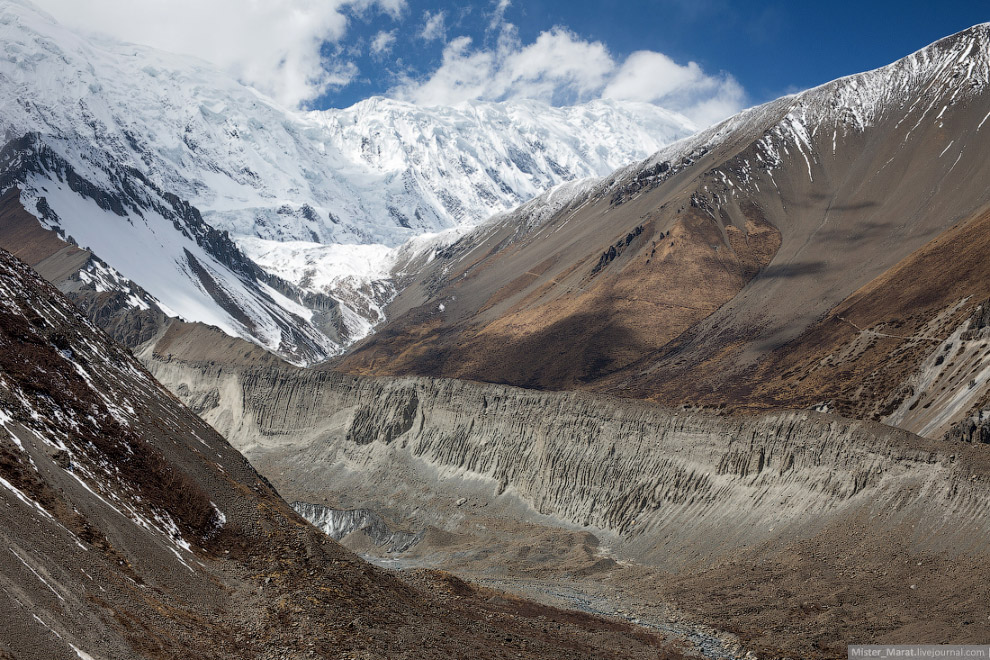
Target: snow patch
(82, 654)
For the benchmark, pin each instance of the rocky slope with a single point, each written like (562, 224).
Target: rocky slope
(478, 470)
(131, 529)
(818, 251)
(119, 504)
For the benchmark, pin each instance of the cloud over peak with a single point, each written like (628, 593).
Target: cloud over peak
(300, 50)
(561, 68)
(273, 45)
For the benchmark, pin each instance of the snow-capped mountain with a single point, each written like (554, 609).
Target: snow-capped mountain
(436, 168)
(381, 171)
(378, 173)
(155, 240)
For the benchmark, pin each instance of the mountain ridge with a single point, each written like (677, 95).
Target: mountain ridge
(677, 275)
(826, 250)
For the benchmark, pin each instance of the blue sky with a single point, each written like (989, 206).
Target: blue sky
(770, 48)
(705, 58)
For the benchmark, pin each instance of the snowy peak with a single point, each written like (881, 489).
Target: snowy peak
(468, 162)
(186, 268)
(380, 172)
(809, 128)
(173, 164)
(955, 67)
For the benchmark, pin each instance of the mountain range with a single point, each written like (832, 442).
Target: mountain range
(727, 388)
(176, 175)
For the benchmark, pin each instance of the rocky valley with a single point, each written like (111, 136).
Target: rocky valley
(132, 529)
(498, 380)
(774, 513)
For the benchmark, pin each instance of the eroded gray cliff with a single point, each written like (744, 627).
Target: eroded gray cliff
(671, 486)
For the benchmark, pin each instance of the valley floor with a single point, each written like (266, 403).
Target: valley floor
(808, 600)
(625, 596)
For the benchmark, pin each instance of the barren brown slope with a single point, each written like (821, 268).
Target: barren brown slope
(130, 529)
(867, 356)
(560, 327)
(752, 233)
(560, 304)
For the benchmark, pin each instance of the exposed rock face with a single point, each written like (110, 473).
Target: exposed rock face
(675, 486)
(979, 321)
(975, 429)
(338, 524)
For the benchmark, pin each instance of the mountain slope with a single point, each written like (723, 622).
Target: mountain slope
(130, 529)
(191, 270)
(119, 503)
(677, 278)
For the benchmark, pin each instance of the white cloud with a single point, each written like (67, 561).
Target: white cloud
(498, 15)
(647, 76)
(382, 42)
(561, 68)
(557, 67)
(434, 26)
(655, 78)
(394, 8)
(273, 45)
